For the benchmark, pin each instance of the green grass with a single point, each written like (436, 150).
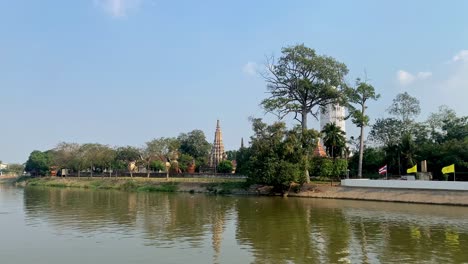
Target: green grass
(125, 184)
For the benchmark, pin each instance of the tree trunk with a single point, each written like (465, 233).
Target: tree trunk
(304, 129)
(399, 163)
(79, 172)
(361, 152)
(148, 170)
(361, 145)
(304, 120)
(91, 170)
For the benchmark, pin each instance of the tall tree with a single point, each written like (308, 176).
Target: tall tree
(107, 157)
(334, 140)
(388, 133)
(405, 107)
(436, 122)
(65, 155)
(164, 149)
(195, 144)
(359, 97)
(93, 156)
(301, 81)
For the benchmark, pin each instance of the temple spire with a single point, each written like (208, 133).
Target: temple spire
(217, 151)
(242, 143)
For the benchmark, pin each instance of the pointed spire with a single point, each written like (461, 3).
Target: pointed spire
(242, 143)
(319, 151)
(217, 151)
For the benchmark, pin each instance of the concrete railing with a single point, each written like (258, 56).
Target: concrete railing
(400, 184)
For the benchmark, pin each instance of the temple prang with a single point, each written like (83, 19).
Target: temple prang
(217, 151)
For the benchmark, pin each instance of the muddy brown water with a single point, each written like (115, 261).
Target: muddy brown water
(55, 225)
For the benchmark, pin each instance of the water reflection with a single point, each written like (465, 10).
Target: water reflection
(163, 220)
(259, 229)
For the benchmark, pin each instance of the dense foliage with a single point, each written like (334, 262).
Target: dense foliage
(224, 166)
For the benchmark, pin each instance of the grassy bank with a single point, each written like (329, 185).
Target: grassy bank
(199, 185)
(238, 186)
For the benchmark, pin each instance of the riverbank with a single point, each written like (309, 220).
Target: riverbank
(441, 197)
(194, 185)
(7, 179)
(239, 187)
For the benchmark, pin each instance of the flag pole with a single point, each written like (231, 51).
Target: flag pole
(454, 175)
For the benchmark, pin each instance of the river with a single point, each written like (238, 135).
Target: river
(54, 225)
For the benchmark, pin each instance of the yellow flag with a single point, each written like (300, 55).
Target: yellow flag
(448, 169)
(412, 170)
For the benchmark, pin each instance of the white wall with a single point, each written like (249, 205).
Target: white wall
(399, 184)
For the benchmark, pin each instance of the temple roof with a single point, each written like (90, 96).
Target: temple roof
(319, 151)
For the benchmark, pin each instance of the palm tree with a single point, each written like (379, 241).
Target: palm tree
(334, 140)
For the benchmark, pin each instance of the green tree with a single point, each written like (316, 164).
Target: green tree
(375, 158)
(277, 156)
(334, 140)
(224, 166)
(408, 149)
(16, 169)
(184, 161)
(38, 163)
(388, 133)
(301, 81)
(107, 157)
(436, 122)
(163, 149)
(65, 155)
(157, 165)
(194, 144)
(405, 107)
(456, 129)
(96, 157)
(243, 161)
(231, 154)
(359, 97)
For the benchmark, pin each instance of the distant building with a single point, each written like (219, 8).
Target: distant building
(333, 113)
(217, 151)
(3, 166)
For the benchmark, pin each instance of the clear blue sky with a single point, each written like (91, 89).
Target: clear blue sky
(122, 72)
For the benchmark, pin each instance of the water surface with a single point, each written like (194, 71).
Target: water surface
(54, 225)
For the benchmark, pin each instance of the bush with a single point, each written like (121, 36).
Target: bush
(224, 166)
(326, 167)
(340, 167)
(157, 165)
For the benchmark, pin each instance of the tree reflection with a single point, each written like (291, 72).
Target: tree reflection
(272, 230)
(162, 219)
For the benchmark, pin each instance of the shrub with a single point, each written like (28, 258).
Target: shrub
(224, 166)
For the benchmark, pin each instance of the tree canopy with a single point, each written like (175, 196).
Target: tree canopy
(301, 81)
